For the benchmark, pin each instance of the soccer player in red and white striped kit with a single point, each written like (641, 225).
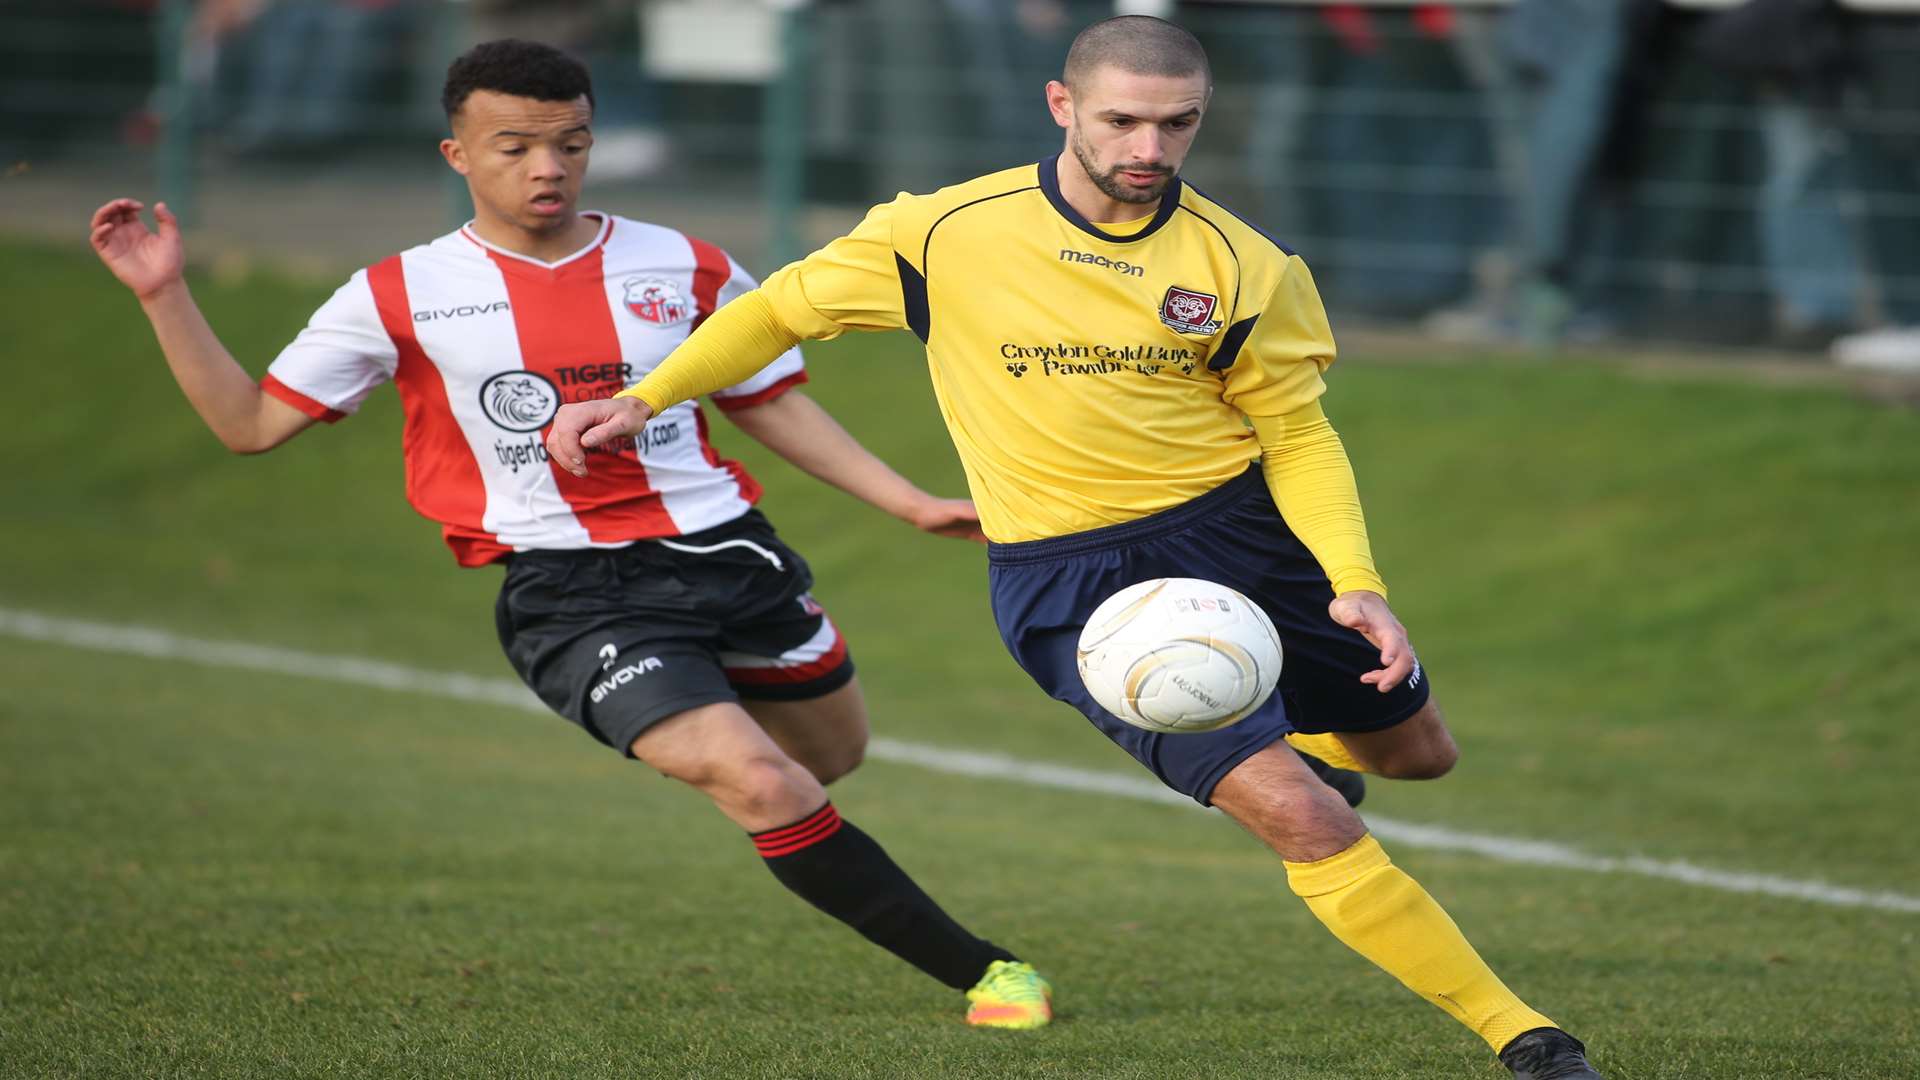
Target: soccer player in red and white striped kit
(649, 603)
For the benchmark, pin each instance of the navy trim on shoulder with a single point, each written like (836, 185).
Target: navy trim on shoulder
(913, 294)
(1050, 184)
(1236, 216)
(1230, 342)
(916, 289)
(1222, 233)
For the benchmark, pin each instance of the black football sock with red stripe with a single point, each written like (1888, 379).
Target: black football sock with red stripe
(840, 870)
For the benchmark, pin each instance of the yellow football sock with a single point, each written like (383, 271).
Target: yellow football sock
(1327, 748)
(1385, 916)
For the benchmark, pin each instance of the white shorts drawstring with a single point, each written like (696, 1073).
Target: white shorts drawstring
(697, 550)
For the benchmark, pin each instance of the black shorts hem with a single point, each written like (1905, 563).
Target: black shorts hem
(659, 711)
(803, 691)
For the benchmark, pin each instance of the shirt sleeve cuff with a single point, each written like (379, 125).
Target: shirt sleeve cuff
(316, 409)
(1359, 579)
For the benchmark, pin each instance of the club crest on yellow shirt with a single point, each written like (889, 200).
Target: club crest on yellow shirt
(1189, 312)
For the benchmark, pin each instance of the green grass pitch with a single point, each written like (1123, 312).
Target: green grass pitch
(1669, 617)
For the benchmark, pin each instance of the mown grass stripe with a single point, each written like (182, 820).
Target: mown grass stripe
(160, 644)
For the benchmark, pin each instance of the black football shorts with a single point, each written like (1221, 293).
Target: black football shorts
(618, 639)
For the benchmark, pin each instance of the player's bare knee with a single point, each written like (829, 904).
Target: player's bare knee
(1288, 808)
(767, 788)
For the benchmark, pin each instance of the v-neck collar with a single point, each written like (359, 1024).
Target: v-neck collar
(599, 239)
(1049, 169)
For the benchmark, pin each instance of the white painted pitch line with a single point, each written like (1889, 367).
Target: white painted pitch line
(162, 645)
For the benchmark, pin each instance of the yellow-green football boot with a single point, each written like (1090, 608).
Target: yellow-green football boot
(1010, 995)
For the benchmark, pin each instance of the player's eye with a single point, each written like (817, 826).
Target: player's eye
(513, 151)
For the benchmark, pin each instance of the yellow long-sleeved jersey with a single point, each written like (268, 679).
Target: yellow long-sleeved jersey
(1088, 374)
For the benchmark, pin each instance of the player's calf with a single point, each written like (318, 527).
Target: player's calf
(1417, 748)
(827, 735)
(719, 750)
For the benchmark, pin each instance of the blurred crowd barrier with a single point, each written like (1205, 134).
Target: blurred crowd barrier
(1488, 170)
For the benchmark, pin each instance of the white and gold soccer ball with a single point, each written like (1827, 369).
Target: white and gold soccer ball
(1179, 655)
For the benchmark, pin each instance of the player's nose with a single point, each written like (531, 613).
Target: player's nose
(1147, 147)
(547, 164)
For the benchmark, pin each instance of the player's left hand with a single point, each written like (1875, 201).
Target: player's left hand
(1367, 612)
(948, 517)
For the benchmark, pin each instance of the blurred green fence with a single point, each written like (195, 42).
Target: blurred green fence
(1556, 168)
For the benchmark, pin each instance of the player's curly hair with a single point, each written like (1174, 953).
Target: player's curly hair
(526, 69)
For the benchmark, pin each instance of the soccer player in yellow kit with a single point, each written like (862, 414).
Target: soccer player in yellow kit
(1131, 375)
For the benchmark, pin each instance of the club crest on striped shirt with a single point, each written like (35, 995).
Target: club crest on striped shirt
(657, 300)
(1189, 311)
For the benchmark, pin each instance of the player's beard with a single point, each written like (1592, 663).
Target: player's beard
(1108, 180)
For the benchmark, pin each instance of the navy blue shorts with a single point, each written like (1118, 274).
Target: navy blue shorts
(1044, 590)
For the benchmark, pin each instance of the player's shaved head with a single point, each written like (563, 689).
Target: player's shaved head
(1138, 44)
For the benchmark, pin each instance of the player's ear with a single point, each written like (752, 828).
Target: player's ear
(1060, 103)
(455, 154)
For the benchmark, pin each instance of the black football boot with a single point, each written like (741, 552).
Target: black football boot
(1548, 1054)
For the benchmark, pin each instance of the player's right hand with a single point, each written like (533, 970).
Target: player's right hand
(585, 424)
(145, 262)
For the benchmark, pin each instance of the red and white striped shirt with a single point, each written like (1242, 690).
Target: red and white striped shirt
(484, 347)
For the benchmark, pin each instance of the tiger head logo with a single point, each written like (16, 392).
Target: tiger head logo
(519, 400)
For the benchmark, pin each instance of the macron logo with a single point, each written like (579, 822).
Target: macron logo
(1118, 266)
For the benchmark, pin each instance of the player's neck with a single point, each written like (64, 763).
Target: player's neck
(1087, 200)
(546, 245)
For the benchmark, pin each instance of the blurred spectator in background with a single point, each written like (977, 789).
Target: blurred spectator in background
(72, 71)
(1588, 73)
(1798, 55)
(1575, 76)
(302, 76)
(629, 142)
(962, 83)
(1010, 49)
(305, 75)
(1888, 154)
(1364, 146)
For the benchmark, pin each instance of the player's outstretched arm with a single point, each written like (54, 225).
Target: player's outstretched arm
(152, 265)
(734, 343)
(794, 426)
(1312, 484)
(582, 425)
(1367, 611)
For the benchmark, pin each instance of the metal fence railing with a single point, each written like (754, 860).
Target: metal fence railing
(1541, 169)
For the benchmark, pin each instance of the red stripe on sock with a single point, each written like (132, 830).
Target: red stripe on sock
(785, 832)
(801, 845)
(799, 837)
(794, 842)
